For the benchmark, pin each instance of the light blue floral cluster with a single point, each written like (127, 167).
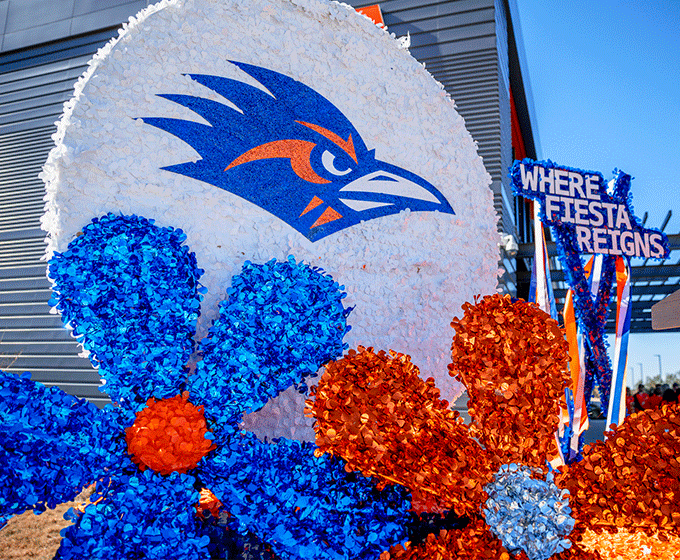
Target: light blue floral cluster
(528, 513)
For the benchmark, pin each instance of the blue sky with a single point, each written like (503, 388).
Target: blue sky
(605, 77)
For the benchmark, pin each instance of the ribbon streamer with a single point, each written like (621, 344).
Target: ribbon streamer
(599, 275)
(579, 418)
(617, 399)
(541, 293)
(541, 290)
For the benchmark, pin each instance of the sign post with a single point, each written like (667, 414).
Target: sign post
(590, 217)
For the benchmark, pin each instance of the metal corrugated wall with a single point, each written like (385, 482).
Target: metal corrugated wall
(34, 83)
(464, 45)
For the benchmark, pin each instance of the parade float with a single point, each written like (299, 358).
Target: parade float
(243, 196)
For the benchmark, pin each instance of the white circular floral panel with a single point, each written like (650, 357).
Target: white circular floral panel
(268, 128)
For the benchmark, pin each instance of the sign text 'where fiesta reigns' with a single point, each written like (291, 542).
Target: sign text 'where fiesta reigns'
(578, 200)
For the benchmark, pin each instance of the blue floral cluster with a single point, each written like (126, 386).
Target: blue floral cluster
(592, 314)
(130, 291)
(122, 521)
(52, 445)
(281, 322)
(528, 514)
(306, 506)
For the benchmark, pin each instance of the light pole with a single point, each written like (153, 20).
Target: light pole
(642, 374)
(660, 370)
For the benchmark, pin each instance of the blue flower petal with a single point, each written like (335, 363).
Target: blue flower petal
(281, 323)
(142, 515)
(304, 506)
(53, 445)
(130, 291)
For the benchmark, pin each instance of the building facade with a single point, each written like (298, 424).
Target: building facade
(473, 47)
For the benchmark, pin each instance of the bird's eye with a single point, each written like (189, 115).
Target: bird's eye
(328, 161)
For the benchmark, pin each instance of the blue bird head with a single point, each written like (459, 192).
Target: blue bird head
(292, 152)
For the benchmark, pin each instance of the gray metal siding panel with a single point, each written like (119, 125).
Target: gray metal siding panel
(464, 44)
(425, 8)
(31, 337)
(24, 23)
(49, 53)
(506, 208)
(33, 35)
(4, 7)
(502, 45)
(34, 97)
(83, 7)
(24, 14)
(101, 15)
(438, 18)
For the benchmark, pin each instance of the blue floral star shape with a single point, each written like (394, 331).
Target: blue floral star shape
(130, 291)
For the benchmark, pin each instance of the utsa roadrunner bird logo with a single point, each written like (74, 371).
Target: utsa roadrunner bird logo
(293, 153)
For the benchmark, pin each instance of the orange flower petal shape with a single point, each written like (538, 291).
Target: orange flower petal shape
(577, 552)
(169, 435)
(631, 480)
(375, 412)
(626, 545)
(473, 542)
(512, 358)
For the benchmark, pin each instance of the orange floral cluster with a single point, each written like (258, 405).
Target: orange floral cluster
(375, 412)
(627, 545)
(513, 360)
(632, 479)
(473, 542)
(169, 435)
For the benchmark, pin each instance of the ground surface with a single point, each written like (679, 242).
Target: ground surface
(35, 537)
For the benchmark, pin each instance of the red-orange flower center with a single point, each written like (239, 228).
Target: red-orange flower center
(208, 505)
(169, 435)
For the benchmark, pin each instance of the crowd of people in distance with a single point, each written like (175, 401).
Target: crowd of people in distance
(649, 399)
(644, 399)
